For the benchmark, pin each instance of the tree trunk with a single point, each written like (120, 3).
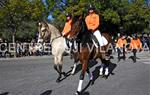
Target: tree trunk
(13, 40)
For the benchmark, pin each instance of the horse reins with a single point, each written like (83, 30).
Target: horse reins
(55, 38)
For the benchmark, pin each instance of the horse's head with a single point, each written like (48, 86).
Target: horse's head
(77, 26)
(44, 31)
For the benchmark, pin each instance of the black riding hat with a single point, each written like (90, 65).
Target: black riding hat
(68, 15)
(91, 8)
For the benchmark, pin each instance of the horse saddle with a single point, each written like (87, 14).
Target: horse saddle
(68, 42)
(99, 41)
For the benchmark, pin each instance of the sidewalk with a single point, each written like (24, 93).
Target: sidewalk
(27, 57)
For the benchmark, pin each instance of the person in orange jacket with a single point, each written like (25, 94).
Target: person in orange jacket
(67, 28)
(120, 45)
(135, 45)
(67, 32)
(93, 22)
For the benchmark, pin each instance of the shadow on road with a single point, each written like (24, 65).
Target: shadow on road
(5, 93)
(112, 66)
(90, 65)
(84, 89)
(67, 74)
(48, 92)
(85, 93)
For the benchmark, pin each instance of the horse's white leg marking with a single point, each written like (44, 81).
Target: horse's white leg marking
(74, 68)
(101, 71)
(90, 76)
(106, 71)
(80, 86)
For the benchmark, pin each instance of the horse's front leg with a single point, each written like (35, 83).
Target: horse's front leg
(104, 69)
(76, 59)
(74, 68)
(89, 74)
(81, 78)
(58, 67)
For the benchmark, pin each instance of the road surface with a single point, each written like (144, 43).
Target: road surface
(36, 76)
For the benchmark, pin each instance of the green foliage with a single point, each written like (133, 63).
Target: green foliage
(14, 13)
(134, 16)
(21, 16)
(110, 15)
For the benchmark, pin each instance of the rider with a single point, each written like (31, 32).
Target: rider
(67, 28)
(67, 31)
(93, 21)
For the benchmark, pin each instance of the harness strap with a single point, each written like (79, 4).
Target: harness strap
(95, 40)
(55, 38)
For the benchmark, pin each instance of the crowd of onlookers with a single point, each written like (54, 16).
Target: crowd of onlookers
(36, 49)
(144, 39)
(20, 49)
(134, 43)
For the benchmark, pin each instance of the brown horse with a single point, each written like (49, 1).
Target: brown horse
(87, 51)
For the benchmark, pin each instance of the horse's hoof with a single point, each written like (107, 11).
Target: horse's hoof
(72, 73)
(77, 93)
(101, 76)
(105, 77)
(64, 74)
(112, 73)
(58, 80)
(134, 60)
(92, 82)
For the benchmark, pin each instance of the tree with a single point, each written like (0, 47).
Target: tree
(14, 13)
(133, 15)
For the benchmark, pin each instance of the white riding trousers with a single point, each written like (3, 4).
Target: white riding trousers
(101, 39)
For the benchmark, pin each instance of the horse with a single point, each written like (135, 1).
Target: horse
(58, 46)
(87, 51)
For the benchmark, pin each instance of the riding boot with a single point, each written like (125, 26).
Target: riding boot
(67, 42)
(95, 40)
(72, 49)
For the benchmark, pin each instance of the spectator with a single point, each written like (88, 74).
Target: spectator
(143, 39)
(120, 45)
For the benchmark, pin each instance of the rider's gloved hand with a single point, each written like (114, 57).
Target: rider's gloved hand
(90, 30)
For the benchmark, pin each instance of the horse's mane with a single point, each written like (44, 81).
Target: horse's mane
(79, 27)
(48, 25)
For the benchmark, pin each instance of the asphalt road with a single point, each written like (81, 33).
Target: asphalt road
(36, 76)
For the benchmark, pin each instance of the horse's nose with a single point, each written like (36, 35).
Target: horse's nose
(40, 40)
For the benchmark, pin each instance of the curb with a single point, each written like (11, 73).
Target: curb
(26, 57)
